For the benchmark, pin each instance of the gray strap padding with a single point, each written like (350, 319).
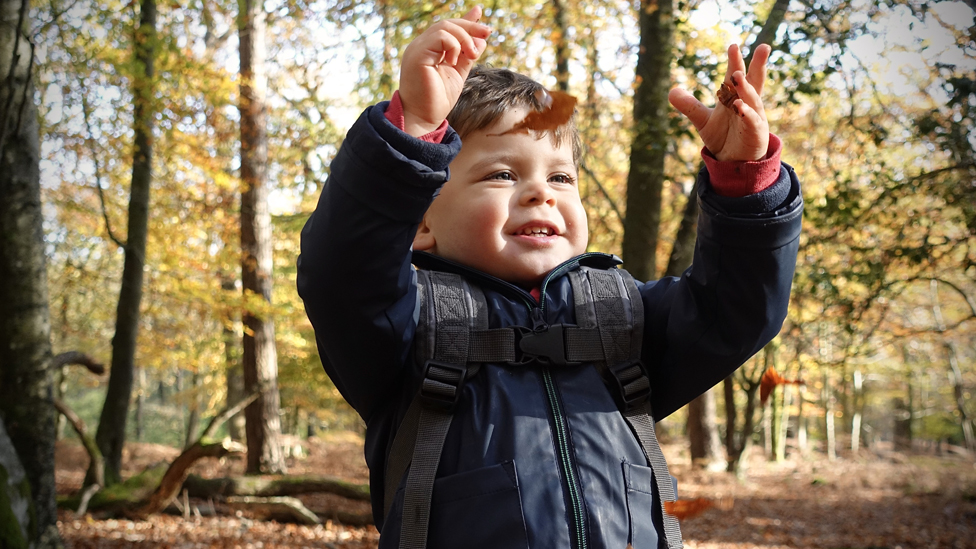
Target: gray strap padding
(609, 301)
(450, 315)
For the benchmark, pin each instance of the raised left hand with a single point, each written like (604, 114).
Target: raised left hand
(739, 131)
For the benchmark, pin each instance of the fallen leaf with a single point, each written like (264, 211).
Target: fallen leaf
(770, 380)
(557, 109)
(687, 508)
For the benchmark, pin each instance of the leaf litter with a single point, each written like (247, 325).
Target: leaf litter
(876, 499)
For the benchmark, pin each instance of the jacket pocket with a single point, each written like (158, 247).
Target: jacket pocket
(639, 481)
(479, 508)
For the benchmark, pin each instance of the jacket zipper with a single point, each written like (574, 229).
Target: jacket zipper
(537, 313)
(566, 461)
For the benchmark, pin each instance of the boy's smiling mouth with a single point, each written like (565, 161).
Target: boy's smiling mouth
(536, 231)
(541, 232)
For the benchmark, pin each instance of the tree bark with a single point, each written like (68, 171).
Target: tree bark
(703, 437)
(15, 498)
(767, 35)
(26, 379)
(683, 250)
(259, 358)
(110, 434)
(728, 387)
(234, 373)
(649, 147)
(560, 40)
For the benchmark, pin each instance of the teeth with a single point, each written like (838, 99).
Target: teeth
(537, 231)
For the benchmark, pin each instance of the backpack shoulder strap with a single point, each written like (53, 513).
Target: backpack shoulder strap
(609, 301)
(452, 334)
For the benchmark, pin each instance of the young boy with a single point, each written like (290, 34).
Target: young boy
(538, 450)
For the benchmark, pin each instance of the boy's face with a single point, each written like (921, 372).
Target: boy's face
(511, 208)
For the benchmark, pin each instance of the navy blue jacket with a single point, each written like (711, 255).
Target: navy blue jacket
(521, 435)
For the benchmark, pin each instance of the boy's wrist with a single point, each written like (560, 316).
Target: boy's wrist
(402, 120)
(738, 178)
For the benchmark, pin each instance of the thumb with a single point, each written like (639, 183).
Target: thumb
(692, 108)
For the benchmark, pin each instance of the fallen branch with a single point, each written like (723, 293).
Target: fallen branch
(78, 358)
(94, 454)
(173, 479)
(85, 498)
(176, 474)
(272, 486)
(282, 509)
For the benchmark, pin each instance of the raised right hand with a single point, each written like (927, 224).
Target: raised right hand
(434, 67)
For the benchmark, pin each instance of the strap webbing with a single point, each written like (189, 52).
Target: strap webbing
(449, 318)
(642, 423)
(609, 301)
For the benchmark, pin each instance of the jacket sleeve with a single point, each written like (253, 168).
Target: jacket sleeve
(733, 300)
(354, 272)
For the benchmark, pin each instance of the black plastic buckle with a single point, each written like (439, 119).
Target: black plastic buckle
(441, 386)
(633, 387)
(547, 345)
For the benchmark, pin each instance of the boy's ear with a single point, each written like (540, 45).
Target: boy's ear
(424, 239)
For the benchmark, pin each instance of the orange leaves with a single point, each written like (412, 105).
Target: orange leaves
(557, 109)
(770, 380)
(687, 508)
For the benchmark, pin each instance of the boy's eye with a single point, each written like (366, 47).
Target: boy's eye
(562, 178)
(507, 176)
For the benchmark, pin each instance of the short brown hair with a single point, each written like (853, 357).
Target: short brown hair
(489, 93)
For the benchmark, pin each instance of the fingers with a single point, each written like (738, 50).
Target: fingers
(736, 63)
(750, 115)
(456, 39)
(757, 67)
(692, 108)
(474, 14)
(746, 92)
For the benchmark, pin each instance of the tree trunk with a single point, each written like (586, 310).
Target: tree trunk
(232, 363)
(560, 40)
(683, 250)
(828, 402)
(728, 388)
(767, 35)
(16, 506)
(784, 423)
(110, 434)
(649, 147)
(259, 357)
(858, 405)
(703, 437)
(193, 420)
(26, 379)
(801, 425)
(141, 405)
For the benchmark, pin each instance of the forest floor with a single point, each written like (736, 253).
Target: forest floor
(878, 499)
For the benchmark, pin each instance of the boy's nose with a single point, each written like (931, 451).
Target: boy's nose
(537, 193)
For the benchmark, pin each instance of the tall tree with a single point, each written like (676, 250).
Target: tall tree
(110, 435)
(260, 360)
(26, 380)
(649, 146)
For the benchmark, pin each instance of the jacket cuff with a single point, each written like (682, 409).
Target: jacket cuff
(746, 222)
(388, 171)
(433, 155)
(738, 179)
(394, 113)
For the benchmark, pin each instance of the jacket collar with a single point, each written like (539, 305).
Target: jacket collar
(597, 260)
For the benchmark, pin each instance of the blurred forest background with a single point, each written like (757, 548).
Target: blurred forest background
(182, 145)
